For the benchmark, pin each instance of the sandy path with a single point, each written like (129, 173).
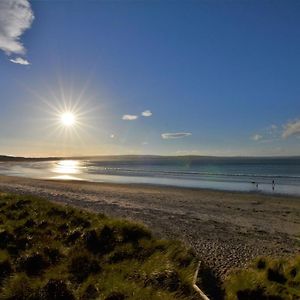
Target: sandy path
(225, 229)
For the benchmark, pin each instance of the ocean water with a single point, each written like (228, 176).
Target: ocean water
(233, 174)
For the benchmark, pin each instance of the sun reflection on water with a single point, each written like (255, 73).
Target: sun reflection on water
(67, 169)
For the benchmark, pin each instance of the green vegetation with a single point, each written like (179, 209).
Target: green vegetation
(266, 278)
(49, 251)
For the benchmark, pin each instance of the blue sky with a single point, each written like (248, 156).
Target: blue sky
(218, 77)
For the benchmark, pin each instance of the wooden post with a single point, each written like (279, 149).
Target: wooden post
(196, 288)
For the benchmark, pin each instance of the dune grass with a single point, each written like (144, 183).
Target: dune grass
(49, 251)
(266, 278)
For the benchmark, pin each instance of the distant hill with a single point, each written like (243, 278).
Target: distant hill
(18, 158)
(157, 158)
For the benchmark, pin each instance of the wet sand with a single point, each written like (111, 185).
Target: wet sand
(226, 229)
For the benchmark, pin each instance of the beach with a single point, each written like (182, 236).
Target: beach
(225, 229)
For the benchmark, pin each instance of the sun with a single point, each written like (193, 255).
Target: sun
(68, 119)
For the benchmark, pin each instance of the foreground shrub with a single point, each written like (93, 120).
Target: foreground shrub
(18, 287)
(82, 266)
(168, 280)
(52, 252)
(266, 278)
(5, 269)
(56, 290)
(33, 264)
(116, 296)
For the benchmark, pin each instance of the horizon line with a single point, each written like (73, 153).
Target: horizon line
(4, 156)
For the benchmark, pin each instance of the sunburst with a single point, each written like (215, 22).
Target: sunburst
(68, 119)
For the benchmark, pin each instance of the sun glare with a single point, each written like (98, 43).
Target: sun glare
(68, 112)
(68, 119)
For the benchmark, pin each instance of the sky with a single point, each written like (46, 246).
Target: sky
(150, 77)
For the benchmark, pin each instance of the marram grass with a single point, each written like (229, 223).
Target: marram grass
(265, 279)
(49, 251)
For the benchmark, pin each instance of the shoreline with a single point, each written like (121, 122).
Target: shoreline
(226, 229)
(153, 185)
(157, 185)
(259, 177)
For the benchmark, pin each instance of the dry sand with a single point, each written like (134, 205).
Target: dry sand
(226, 229)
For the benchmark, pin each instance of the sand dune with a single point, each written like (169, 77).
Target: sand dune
(225, 229)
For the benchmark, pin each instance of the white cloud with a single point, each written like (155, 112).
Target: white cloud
(267, 135)
(129, 117)
(15, 17)
(256, 137)
(112, 136)
(272, 131)
(20, 60)
(291, 128)
(176, 135)
(147, 113)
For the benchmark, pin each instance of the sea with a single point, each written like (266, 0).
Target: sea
(280, 175)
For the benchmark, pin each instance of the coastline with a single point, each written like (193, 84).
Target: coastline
(226, 229)
(271, 176)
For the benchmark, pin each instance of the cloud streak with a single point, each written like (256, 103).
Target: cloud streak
(20, 61)
(129, 117)
(175, 135)
(291, 128)
(256, 137)
(16, 16)
(147, 113)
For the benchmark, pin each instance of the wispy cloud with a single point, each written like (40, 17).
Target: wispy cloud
(129, 117)
(16, 16)
(175, 135)
(272, 130)
(291, 128)
(256, 137)
(147, 113)
(20, 61)
(268, 134)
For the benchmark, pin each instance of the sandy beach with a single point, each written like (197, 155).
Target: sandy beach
(226, 229)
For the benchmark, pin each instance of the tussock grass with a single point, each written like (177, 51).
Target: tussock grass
(266, 278)
(49, 251)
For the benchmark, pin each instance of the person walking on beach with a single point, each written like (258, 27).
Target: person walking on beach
(273, 184)
(255, 183)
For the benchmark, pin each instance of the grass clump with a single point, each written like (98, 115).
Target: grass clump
(33, 264)
(82, 265)
(49, 251)
(266, 279)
